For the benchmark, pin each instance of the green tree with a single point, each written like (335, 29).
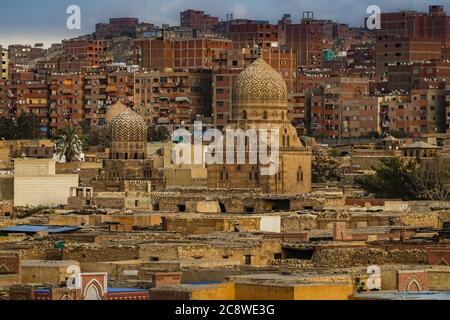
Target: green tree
(158, 134)
(401, 134)
(7, 131)
(392, 180)
(28, 126)
(325, 168)
(69, 144)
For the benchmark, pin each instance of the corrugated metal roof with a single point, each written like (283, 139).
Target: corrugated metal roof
(38, 228)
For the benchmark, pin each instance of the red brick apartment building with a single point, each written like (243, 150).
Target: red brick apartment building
(23, 54)
(153, 53)
(66, 100)
(120, 87)
(117, 27)
(197, 20)
(184, 53)
(307, 39)
(95, 99)
(197, 53)
(418, 75)
(173, 97)
(31, 97)
(80, 54)
(418, 113)
(343, 108)
(410, 36)
(251, 34)
(5, 99)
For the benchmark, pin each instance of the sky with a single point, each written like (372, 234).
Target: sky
(31, 21)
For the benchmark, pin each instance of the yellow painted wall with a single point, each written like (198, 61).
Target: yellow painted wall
(439, 279)
(224, 291)
(389, 280)
(263, 292)
(323, 292)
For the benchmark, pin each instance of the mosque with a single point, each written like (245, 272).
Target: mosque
(260, 101)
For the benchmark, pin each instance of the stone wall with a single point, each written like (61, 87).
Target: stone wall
(94, 253)
(43, 190)
(293, 223)
(340, 257)
(6, 188)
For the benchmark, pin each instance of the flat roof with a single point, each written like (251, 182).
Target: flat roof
(31, 229)
(125, 290)
(394, 295)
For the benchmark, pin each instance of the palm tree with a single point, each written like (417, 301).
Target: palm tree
(69, 144)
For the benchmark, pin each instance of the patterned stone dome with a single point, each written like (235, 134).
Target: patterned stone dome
(128, 126)
(259, 83)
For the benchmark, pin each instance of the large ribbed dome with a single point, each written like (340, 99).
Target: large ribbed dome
(259, 83)
(128, 126)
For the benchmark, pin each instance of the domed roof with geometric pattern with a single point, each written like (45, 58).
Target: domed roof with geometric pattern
(260, 83)
(128, 126)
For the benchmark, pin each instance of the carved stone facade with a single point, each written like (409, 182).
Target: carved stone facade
(128, 155)
(128, 136)
(260, 102)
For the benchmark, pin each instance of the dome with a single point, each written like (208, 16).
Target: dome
(114, 110)
(128, 126)
(260, 83)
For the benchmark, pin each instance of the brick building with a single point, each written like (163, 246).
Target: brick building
(307, 39)
(410, 36)
(120, 87)
(343, 108)
(394, 50)
(197, 53)
(82, 54)
(66, 100)
(4, 64)
(23, 54)
(31, 97)
(418, 113)
(197, 20)
(251, 34)
(95, 99)
(173, 97)
(431, 74)
(5, 99)
(117, 27)
(153, 53)
(413, 24)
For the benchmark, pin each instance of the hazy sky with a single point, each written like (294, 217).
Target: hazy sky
(30, 21)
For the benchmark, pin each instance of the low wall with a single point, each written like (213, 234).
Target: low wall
(338, 257)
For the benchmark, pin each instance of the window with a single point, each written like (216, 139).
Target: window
(300, 175)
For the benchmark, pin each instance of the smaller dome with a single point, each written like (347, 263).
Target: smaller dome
(128, 126)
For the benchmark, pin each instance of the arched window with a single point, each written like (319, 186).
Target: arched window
(265, 115)
(148, 172)
(300, 175)
(224, 174)
(244, 115)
